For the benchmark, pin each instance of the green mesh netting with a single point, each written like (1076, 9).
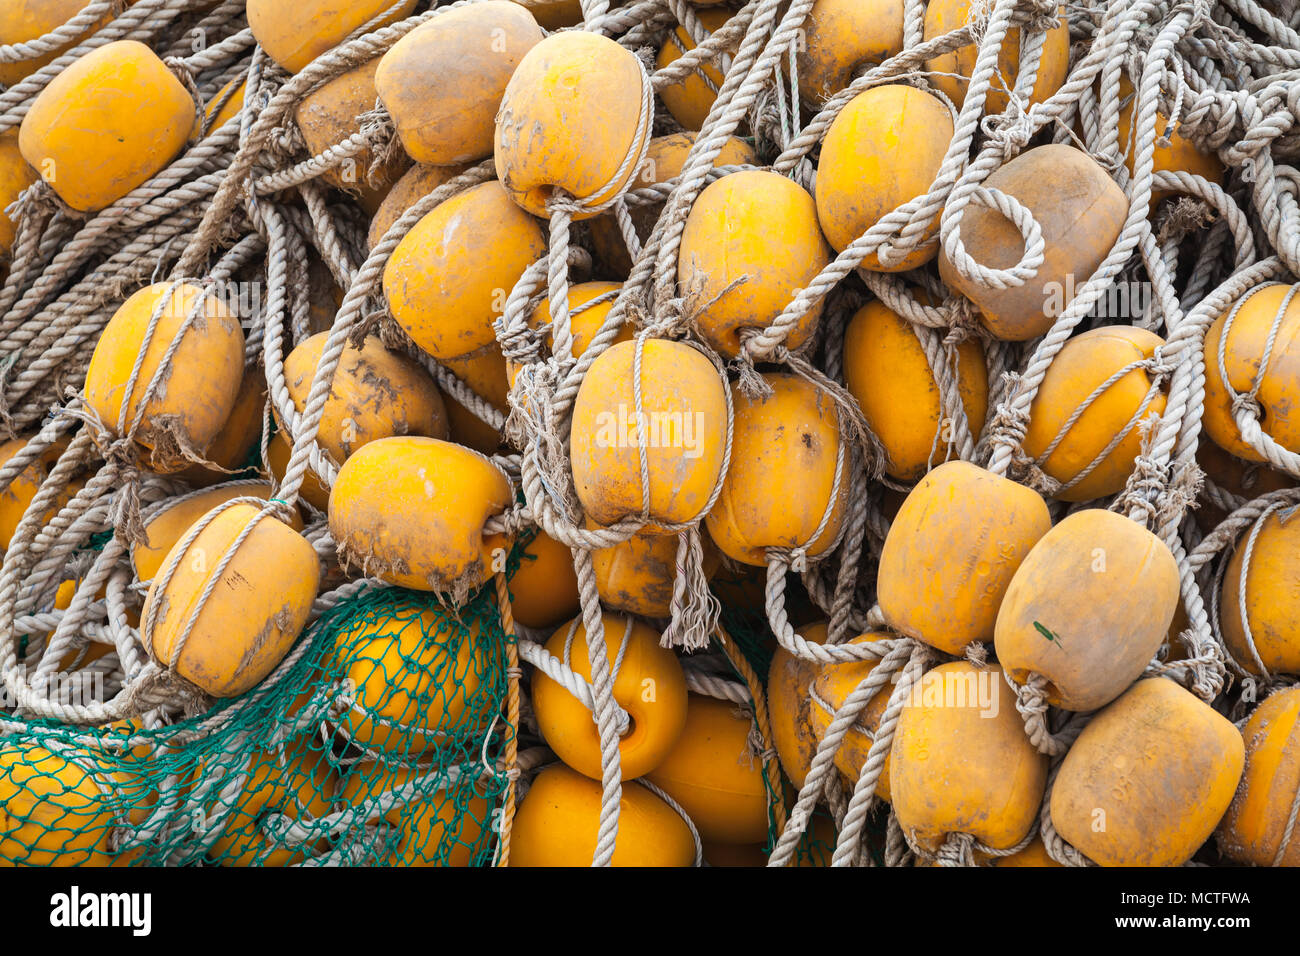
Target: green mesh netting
(752, 635)
(376, 747)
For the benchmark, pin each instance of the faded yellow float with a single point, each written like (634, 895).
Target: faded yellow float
(951, 72)
(196, 394)
(169, 524)
(544, 591)
(664, 160)
(1256, 314)
(842, 37)
(884, 149)
(1085, 364)
(714, 776)
(411, 511)
(234, 444)
(1080, 211)
(22, 21)
(294, 34)
(1272, 604)
(757, 232)
(374, 393)
(951, 552)
(788, 439)
(1148, 779)
(789, 706)
(330, 114)
(961, 762)
(1254, 830)
(684, 410)
(254, 613)
(570, 118)
(15, 176)
(122, 95)
(54, 811)
(886, 370)
(414, 184)
(638, 575)
(467, 55)
(448, 280)
(831, 687)
(415, 674)
(559, 818)
(689, 100)
(1088, 608)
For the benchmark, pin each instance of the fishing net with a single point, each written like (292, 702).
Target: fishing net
(377, 744)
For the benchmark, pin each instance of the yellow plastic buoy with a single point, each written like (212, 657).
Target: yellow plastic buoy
(294, 34)
(468, 55)
(649, 685)
(411, 511)
(790, 439)
(684, 411)
(1082, 367)
(1148, 779)
(106, 124)
(713, 775)
(1127, 580)
(448, 279)
(751, 242)
(1080, 210)
(951, 552)
(256, 609)
(197, 393)
(1271, 600)
(951, 72)
(961, 762)
(1254, 830)
(559, 818)
(573, 121)
(375, 393)
(886, 370)
(884, 149)
(1254, 317)
(415, 674)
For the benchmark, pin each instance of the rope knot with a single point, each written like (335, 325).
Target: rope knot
(1246, 403)
(673, 318)
(281, 509)
(958, 849)
(964, 317)
(561, 201)
(1009, 425)
(377, 127)
(1157, 365)
(521, 344)
(1011, 131)
(38, 199)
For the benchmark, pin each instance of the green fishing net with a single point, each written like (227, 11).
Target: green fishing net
(378, 744)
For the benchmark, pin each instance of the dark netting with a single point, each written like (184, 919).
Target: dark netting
(377, 745)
